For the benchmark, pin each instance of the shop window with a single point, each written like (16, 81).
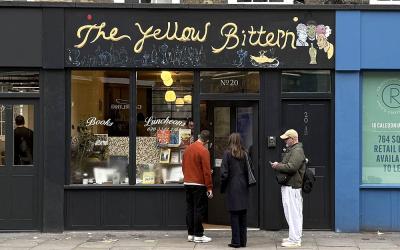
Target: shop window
(238, 82)
(19, 82)
(381, 128)
(164, 125)
(306, 81)
(100, 106)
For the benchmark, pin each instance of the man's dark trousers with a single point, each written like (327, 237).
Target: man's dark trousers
(196, 200)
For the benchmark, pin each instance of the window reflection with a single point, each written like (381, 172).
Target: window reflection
(99, 127)
(164, 125)
(23, 134)
(316, 81)
(19, 82)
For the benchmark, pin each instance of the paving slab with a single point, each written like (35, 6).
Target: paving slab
(335, 242)
(21, 243)
(132, 248)
(338, 248)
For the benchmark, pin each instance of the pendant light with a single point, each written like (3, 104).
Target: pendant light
(187, 99)
(179, 102)
(165, 75)
(168, 82)
(167, 78)
(170, 96)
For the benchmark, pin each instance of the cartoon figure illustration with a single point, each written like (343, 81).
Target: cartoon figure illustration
(322, 40)
(264, 61)
(301, 35)
(311, 30)
(242, 54)
(73, 56)
(313, 54)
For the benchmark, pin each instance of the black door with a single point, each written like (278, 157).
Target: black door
(312, 120)
(222, 119)
(19, 192)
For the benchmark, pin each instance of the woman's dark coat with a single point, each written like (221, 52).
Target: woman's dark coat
(234, 182)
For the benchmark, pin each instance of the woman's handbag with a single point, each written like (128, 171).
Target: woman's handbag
(251, 179)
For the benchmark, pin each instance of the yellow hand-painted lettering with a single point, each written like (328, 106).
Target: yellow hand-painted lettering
(259, 37)
(187, 34)
(87, 29)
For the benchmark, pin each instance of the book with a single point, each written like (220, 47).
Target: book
(165, 154)
(163, 136)
(174, 137)
(185, 135)
(174, 157)
(148, 177)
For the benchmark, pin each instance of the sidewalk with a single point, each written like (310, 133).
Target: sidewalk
(176, 240)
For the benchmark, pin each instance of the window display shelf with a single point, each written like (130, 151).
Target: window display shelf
(170, 145)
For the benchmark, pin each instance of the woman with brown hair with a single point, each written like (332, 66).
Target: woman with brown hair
(235, 184)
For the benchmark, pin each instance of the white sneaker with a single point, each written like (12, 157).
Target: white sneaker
(190, 238)
(285, 239)
(291, 244)
(202, 239)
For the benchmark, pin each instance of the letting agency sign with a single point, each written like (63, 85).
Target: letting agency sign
(381, 128)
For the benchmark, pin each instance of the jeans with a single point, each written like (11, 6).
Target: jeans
(196, 200)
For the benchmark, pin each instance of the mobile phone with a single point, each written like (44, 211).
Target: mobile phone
(270, 162)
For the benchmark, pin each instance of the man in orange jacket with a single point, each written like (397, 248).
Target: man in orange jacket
(198, 186)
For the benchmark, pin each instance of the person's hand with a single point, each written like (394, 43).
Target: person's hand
(274, 164)
(210, 194)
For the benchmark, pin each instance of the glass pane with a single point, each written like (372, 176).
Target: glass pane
(100, 127)
(164, 125)
(244, 121)
(314, 81)
(381, 127)
(229, 82)
(19, 82)
(2, 135)
(222, 130)
(24, 121)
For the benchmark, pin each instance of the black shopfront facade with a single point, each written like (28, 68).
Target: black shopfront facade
(75, 72)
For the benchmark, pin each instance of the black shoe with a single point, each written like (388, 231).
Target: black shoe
(242, 245)
(234, 245)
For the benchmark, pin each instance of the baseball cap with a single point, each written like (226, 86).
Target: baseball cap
(291, 133)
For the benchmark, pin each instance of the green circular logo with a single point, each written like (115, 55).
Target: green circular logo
(391, 95)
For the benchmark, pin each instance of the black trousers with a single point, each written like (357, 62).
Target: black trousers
(239, 227)
(196, 201)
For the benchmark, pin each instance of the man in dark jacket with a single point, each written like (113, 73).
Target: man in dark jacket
(293, 165)
(23, 142)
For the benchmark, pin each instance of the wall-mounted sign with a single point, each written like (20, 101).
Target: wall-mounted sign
(381, 128)
(200, 39)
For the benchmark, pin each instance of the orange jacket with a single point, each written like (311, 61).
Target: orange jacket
(196, 165)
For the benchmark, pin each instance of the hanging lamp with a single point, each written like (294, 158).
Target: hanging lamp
(170, 96)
